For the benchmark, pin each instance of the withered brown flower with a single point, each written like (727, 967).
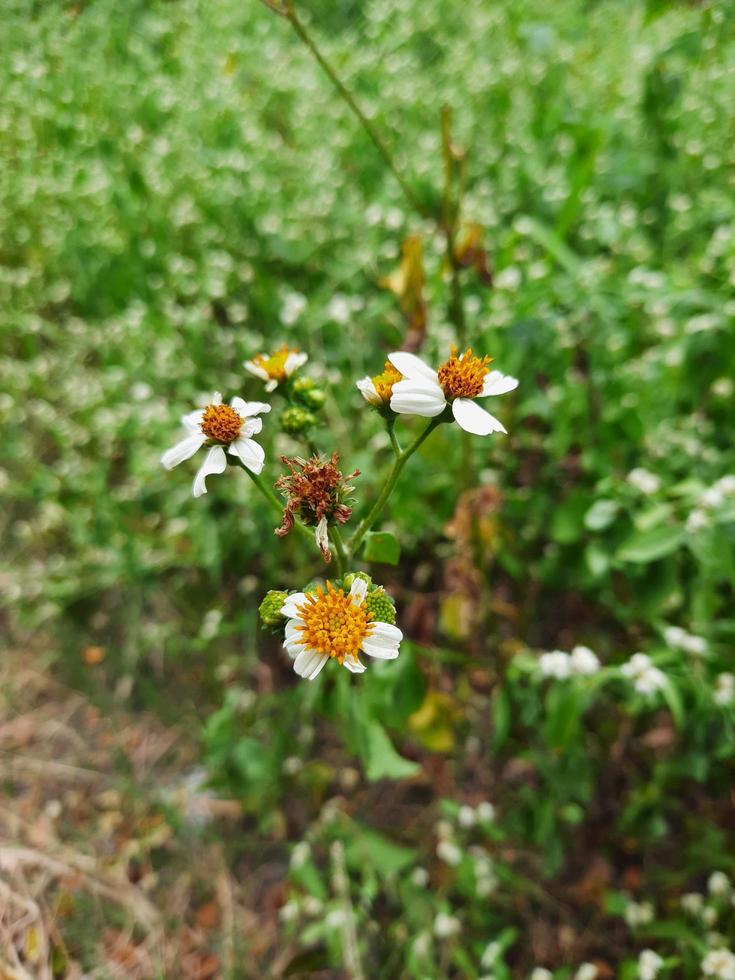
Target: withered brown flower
(315, 491)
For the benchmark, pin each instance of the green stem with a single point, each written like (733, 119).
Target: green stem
(339, 550)
(401, 459)
(273, 500)
(289, 12)
(391, 426)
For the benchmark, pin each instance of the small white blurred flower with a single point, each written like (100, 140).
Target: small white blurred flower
(540, 973)
(584, 662)
(490, 955)
(339, 308)
(709, 915)
(718, 884)
(555, 664)
(300, 854)
(638, 914)
(449, 853)
(313, 906)
(289, 912)
(726, 484)
(420, 877)
(219, 426)
(587, 971)
(646, 678)
(335, 919)
(508, 278)
(644, 480)
(275, 368)
(466, 817)
(293, 306)
(443, 828)
(692, 902)
(725, 689)
(697, 521)
(446, 926)
(712, 498)
(679, 639)
(649, 964)
(485, 812)
(719, 963)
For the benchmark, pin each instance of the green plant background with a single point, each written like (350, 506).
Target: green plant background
(181, 188)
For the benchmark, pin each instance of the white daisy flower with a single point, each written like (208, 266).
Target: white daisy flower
(649, 964)
(377, 391)
(725, 689)
(458, 382)
(584, 662)
(276, 367)
(555, 664)
(646, 678)
(335, 624)
(219, 426)
(719, 963)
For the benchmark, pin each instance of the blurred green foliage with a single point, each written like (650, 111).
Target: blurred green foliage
(180, 189)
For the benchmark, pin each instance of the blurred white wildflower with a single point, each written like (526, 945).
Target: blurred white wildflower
(466, 817)
(275, 368)
(339, 308)
(692, 902)
(644, 481)
(336, 918)
(583, 661)
(679, 639)
(490, 955)
(420, 877)
(719, 963)
(293, 306)
(313, 906)
(697, 521)
(649, 964)
(725, 689)
(508, 278)
(540, 973)
(709, 915)
(300, 854)
(555, 664)
(485, 812)
(449, 853)
(638, 914)
(587, 971)
(646, 678)
(289, 912)
(446, 926)
(718, 884)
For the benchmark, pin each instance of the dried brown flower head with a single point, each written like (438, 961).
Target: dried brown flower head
(315, 491)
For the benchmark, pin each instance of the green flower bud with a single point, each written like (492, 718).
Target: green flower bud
(296, 420)
(309, 393)
(349, 579)
(270, 608)
(380, 604)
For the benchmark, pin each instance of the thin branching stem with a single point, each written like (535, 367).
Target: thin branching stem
(274, 501)
(389, 486)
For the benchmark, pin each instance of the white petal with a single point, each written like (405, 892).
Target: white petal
(293, 649)
(271, 385)
(497, 383)
(383, 641)
(183, 450)
(307, 661)
(320, 663)
(257, 370)
(193, 420)
(290, 607)
(294, 360)
(252, 455)
(214, 462)
(245, 409)
(216, 398)
(417, 398)
(358, 591)
(252, 427)
(354, 666)
(472, 418)
(411, 366)
(367, 390)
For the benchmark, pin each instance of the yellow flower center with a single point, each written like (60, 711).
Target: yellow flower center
(221, 423)
(274, 364)
(463, 376)
(333, 624)
(384, 382)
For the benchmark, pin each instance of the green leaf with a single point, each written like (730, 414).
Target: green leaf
(382, 546)
(368, 847)
(645, 546)
(563, 709)
(383, 762)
